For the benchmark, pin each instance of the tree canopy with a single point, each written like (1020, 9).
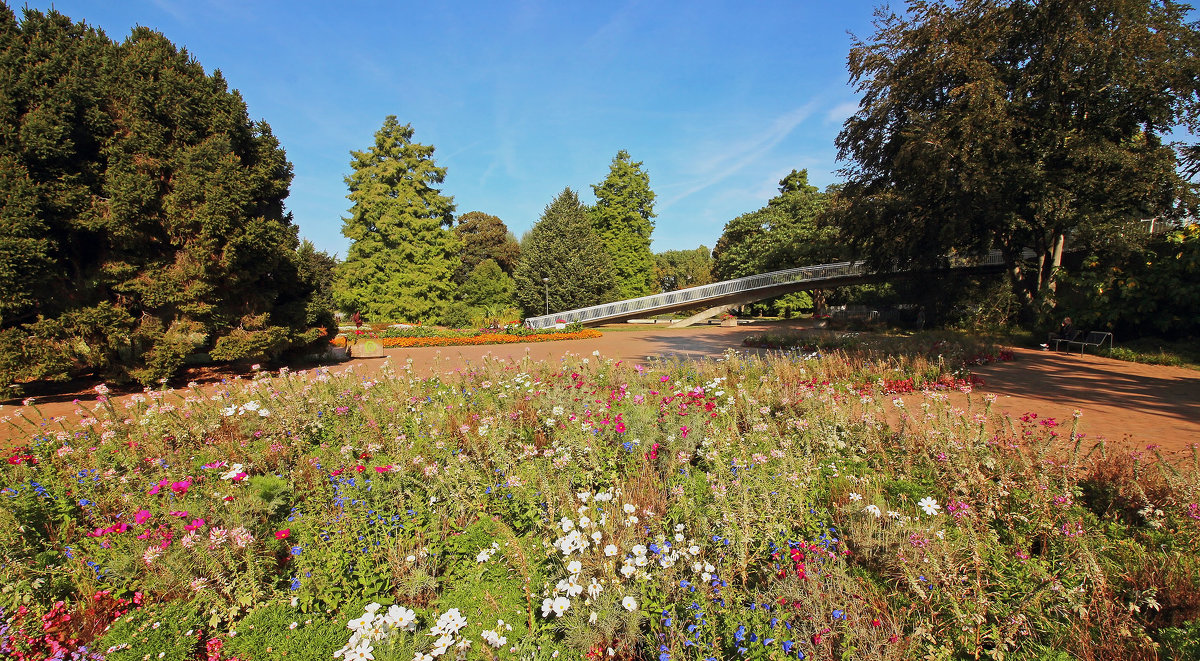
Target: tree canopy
(788, 232)
(998, 124)
(680, 269)
(623, 217)
(563, 248)
(483, 237)
(403, 255)
(142, 210)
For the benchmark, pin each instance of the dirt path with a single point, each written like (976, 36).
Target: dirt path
(1120, 401)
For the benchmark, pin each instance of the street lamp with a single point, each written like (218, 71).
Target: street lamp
(546, 284)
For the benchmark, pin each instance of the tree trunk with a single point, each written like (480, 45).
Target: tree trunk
(1056, 263)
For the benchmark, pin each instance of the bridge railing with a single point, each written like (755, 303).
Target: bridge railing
(718, 290)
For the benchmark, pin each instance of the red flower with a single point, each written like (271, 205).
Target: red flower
(283, 534)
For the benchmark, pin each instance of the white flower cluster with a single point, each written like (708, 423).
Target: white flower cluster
(232, 472)
(493, 637)
(446, 629)
(373, 627)
(487, 553)
(251, 406)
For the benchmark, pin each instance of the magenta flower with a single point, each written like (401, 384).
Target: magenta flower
(141, 517)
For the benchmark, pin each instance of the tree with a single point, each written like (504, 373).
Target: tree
(142, 211)
(680, 269)
(564, 248)
(790, 231)
(986, 124)
(622, 217)
(487, 286)
(483, 237)
(402, 255)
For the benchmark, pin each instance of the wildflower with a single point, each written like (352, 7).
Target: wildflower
(929, 505)
(610, 550)
(872, 510)
(855, 497)
(283, 534)
(629, 603)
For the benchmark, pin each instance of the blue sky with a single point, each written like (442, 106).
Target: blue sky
(719, 100)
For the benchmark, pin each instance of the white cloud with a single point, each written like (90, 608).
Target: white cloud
(730, 157)
(841, 111)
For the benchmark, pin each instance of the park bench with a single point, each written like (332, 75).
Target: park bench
(1092, 339)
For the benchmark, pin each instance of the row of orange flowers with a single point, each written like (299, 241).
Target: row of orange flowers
(483, 338)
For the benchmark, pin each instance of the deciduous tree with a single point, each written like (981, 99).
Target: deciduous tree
(997, 124)
(483, 237)
(680, 269)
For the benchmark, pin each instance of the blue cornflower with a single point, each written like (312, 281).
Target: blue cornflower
(296, 583)
(297, 550)
(787, 646)
(740, 634)
(839, 614)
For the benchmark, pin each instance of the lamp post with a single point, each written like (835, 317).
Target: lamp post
(546, 284)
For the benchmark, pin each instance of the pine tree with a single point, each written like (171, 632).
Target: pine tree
(563, 248)
(622, 217)
(403, 255)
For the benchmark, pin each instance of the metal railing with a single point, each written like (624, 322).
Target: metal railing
(725, 289)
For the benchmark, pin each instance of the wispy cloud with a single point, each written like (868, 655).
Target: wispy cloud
(841, 111)
(737, 155)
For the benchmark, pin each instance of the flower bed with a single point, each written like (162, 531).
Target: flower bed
(749, 508)
(464, 338)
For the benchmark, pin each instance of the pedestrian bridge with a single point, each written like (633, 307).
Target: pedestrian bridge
(721, 296)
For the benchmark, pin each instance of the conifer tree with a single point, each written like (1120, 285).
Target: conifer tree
(403, 256)
(563, 248)
(142, 211)
(623, 218)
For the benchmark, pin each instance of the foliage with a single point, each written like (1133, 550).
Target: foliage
(483, 237)
(1009, 125)
(680, 269)
(623, 218)
(562, 248)
(488, 284)
(787, 233)
(402, 255)
(862, 502)
(1155, 291)
(143, 209)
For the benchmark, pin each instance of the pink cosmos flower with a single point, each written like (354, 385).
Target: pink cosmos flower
(283, 534)
(141, 517)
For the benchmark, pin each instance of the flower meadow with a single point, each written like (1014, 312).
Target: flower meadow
(786, 506)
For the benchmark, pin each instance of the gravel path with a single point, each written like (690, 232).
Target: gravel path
(1120, 401)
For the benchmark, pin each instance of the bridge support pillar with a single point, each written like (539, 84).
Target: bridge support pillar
(701, 316)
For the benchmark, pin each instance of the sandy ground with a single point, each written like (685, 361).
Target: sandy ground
(1120, 401)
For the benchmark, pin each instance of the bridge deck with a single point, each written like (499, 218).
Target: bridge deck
(744, 290)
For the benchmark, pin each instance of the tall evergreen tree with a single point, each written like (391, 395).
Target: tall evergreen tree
(563, 248)
(623, 218)
(483, 237)
(403, 256)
